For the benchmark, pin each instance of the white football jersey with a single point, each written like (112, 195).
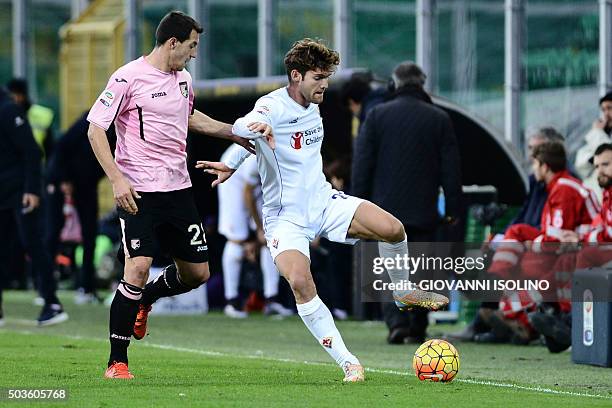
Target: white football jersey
(294, 186)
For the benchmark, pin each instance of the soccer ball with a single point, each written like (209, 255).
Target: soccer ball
(436, 360)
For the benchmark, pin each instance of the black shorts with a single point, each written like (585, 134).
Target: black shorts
(169, 219)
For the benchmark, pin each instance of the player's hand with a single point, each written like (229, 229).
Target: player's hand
(217, 168)
(265, 130)
(125, 195)
(29, 202)
(246, 143)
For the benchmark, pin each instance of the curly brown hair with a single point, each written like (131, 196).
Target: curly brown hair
(308, 54)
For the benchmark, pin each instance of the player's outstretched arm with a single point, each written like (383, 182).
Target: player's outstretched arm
(220, 169)
(204, 124)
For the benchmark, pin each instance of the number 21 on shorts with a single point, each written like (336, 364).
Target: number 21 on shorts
(199, 238)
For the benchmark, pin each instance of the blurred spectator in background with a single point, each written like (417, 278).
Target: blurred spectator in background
(20, 190)
(531, 211)
(600, 133)
(526, 252)
(406, 150)
(601, 232)
(359, 94)
(40, 117)
(73, 173)
(530, 214)
(553, 320)
(240, 201)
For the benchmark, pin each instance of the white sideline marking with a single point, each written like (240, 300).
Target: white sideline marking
(317, 363)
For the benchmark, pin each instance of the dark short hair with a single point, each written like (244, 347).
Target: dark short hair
(308, 55)
(552, 154)
(408, 73)
(357, 87)
(178, 25)
(607, 97)
(602, 148)
(18, 86)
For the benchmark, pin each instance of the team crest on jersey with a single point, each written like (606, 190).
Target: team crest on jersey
(275, 243)
(107, 97)
(263, 110)
(296, 140)
(184, 88)
(135, 243)
(327, 342)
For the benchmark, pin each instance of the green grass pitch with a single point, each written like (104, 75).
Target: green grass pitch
(213, 361)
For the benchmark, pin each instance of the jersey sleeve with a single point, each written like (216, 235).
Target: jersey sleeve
(264, 111)
(112, 102)
(235, 158)
(562, 214)
(251, 172)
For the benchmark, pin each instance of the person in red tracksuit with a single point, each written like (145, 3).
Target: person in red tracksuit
(593, 254)
(531, 253)
(553, 320)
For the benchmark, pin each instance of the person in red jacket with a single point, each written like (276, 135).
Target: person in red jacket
(594, 254)
(569, 207)
(553, 319)
(531, 253)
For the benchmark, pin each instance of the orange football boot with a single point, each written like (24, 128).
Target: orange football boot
(118, 370)
(140, 325)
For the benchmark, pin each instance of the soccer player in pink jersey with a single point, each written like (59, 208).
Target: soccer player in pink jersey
(151, 102)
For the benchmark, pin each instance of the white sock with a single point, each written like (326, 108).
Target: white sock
(388, 250)
(269, 272)
(320, 322)
(231, 262)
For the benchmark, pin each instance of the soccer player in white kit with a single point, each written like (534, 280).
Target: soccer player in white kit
(299, 204)
(240, 203)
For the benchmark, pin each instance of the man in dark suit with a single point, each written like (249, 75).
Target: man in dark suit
(74, 171)
(406, 150)
(20, 190)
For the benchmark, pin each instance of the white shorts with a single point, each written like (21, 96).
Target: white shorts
(334, 223)
(234, 220)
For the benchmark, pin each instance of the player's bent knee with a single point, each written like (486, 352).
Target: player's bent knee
(197, 276)
(393, 231)
(301, 284)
